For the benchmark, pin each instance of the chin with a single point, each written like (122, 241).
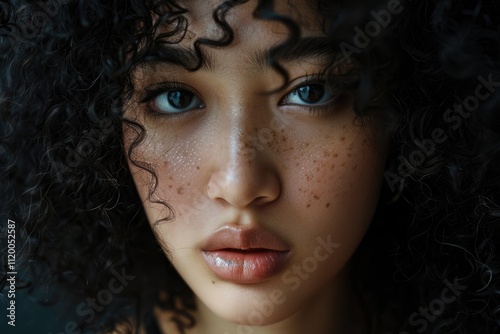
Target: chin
(248, 306)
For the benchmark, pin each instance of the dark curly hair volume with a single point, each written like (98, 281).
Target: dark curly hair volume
(66, 67)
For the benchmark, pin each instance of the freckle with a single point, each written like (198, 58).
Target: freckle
(307, 144)
(170, 186)
(198, 167)
(297, 164)
(336, 155)
(327, 205)
(283, 139)
(318, 169)
(180, 191)
(316, 197)
(308, 205)
(170, 178)
(342, 139)
(333, 167)
(213, 282)
(189, 184)
(314, 161)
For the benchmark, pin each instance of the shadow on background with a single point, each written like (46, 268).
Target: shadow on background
(33, 318)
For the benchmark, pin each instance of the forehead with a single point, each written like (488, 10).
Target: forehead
(253, 30)
(200, 13)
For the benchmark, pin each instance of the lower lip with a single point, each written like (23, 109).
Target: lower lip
(245, 267)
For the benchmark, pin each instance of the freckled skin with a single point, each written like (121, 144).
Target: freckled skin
(245, 159)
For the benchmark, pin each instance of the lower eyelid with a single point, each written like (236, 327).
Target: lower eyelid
(287, 96)
(154, 113)
(337, 103)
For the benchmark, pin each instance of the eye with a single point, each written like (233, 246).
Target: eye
(308, 95)
(171, 99)
(177, 101)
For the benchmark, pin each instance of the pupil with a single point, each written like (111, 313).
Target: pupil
(179, 99)
(311, 93)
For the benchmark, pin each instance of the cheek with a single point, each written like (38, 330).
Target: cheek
(348, 163)
(177, 167)
(331, 177)
(334, 184)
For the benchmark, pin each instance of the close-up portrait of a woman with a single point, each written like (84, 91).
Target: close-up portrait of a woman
(250, 166)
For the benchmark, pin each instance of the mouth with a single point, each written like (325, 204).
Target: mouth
(245, 256)
(245, 266)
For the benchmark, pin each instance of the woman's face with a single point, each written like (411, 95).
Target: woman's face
(272, 188)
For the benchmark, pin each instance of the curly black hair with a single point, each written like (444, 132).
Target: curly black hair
(434, 66)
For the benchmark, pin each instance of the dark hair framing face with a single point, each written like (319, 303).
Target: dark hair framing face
(430, 67)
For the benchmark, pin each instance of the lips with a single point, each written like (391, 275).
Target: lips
(245, 255)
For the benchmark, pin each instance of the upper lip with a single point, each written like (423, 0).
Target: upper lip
(244, 238)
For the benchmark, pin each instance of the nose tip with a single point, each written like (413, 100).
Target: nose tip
(242, 186)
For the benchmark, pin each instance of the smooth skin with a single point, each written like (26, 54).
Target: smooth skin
(230, 150)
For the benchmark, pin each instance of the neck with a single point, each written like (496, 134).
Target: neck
(334, 309)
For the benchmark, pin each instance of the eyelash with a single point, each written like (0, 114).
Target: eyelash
(315, 79)
(153, 92)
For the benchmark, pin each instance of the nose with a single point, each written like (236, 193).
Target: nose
(246, 174)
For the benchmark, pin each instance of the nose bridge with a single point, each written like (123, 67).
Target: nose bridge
(245, 108)
(245, 113)
(238, 143)
(242, 141)
(244, 173)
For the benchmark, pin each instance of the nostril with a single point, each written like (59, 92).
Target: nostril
(262, 200)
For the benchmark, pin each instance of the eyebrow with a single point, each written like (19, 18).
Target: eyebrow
(308, 48)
